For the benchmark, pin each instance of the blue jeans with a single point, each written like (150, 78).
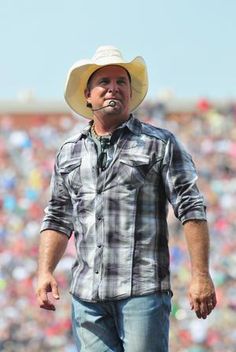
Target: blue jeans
(137, 324)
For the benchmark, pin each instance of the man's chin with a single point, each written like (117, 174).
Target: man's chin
(116, 110)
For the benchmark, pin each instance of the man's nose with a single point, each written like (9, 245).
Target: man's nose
(113, 86)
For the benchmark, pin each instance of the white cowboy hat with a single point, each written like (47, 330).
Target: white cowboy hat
(80, 72)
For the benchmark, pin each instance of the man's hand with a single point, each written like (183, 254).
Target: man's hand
(52, 246)
(202, 295)
(47, 284)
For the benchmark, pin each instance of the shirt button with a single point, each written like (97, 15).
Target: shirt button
(99, 218)
(99, 246)
(96, 272)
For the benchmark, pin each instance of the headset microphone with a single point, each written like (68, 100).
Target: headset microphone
(112, 103)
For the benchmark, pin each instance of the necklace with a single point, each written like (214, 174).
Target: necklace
(95, 135)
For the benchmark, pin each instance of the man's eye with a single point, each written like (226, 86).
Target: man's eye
(121, 81)
(103, 81)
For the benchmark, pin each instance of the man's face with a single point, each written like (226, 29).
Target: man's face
(106, 84)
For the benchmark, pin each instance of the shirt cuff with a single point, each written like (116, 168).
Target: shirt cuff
(49, 226)
(194, 215)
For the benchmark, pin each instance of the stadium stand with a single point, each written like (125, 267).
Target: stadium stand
(30, 135)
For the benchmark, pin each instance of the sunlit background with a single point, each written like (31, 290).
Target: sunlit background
(190, 50)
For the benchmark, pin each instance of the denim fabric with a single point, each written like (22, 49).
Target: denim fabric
(137, 324)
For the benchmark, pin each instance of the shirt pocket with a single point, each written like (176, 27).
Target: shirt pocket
(70, 171)
(133, 169)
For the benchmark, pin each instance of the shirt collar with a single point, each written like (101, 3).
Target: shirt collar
(132, 124)
(85, 131)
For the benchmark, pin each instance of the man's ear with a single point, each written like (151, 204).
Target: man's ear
(87, 96)
(87, 93)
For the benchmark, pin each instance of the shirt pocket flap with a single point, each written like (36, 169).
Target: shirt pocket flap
(69, 165)
(135, 160)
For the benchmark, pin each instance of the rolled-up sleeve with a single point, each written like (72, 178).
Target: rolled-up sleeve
(59, 212)
(180, 180)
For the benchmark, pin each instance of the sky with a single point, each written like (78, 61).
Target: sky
(189, 45)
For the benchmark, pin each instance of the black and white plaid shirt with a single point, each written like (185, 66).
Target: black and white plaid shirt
(119, 215)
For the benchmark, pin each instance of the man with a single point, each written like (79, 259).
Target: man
(110, 187)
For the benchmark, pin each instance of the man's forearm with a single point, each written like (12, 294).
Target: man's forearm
(51, 249)
(197, 236)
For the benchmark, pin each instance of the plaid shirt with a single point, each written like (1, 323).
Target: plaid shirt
(118, 216)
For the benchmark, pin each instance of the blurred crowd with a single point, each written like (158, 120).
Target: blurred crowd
(27, 155)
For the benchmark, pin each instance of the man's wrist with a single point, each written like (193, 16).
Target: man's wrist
(200, 273)
(45, 271)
